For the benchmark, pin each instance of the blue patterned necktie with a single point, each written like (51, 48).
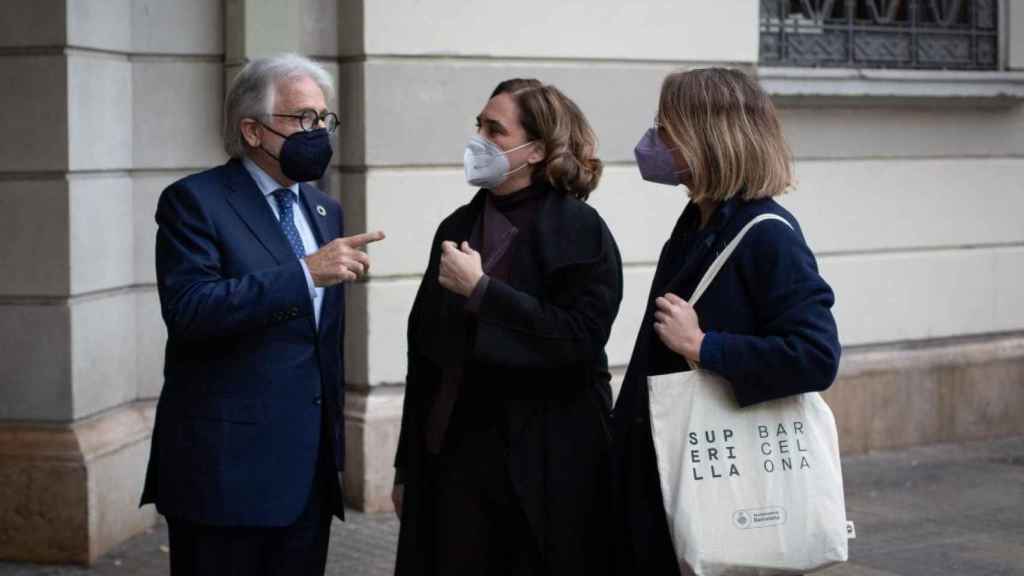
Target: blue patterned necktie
(285, 200)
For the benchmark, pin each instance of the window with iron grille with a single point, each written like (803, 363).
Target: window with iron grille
(923, 34)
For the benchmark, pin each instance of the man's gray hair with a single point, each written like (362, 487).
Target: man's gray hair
(252, 92)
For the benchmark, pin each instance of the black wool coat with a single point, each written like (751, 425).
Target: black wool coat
(538, 346)
(769, 331)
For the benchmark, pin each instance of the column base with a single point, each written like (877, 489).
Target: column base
(373, 420)
(895, 396)
(70, 492)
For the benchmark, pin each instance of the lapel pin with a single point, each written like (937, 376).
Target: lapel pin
(321, 210)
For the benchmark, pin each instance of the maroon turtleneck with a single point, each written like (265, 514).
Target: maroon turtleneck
(504, 218)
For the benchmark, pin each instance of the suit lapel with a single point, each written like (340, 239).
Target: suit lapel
(247, 200)
(316, 214)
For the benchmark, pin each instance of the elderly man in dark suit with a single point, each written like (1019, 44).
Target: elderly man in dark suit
(251, 260)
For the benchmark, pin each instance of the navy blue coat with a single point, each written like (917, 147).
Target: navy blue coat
(769, 332)
(247, 376)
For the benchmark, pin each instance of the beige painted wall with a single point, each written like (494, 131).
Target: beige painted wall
(586, 29)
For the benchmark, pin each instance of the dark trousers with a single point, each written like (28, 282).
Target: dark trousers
(479, 526)
(299, 549)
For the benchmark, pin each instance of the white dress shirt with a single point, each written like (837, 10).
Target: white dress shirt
(267, 186)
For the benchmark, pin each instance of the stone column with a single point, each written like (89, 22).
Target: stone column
(104, 104)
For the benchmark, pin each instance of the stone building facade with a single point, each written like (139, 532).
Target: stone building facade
(910, 190)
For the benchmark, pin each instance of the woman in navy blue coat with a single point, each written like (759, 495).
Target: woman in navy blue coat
(764, 324)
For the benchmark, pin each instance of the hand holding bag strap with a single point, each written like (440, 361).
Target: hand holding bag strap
(720, 261)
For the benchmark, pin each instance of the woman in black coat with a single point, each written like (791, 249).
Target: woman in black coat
(503, 463)
(764, 324)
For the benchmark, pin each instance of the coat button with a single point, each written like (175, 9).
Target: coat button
(317, 400)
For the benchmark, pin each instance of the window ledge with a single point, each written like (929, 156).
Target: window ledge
(992, 86)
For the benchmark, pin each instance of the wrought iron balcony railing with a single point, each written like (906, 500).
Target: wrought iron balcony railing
(923, 34)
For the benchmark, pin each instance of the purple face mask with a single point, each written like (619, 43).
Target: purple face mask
(655, 161)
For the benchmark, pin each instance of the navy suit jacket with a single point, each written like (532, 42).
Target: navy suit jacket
(248, 378)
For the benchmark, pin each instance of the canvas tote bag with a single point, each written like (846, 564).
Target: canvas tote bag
(748, 491)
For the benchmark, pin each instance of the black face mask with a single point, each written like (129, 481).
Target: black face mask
(304, 155)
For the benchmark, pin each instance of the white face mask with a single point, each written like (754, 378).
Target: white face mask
(486, 164)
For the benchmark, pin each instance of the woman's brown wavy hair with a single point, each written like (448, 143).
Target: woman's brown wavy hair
(551, 118)
(727, 131)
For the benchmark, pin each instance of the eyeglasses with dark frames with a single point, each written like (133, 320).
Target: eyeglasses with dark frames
(310, 119)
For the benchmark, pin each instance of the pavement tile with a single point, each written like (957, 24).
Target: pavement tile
(954, 509)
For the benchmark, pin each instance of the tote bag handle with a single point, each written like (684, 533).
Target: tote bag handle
(720, 261)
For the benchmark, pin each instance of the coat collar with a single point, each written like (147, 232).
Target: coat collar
(730, 218)
(670, 280)
(555, 240)
(681, 281)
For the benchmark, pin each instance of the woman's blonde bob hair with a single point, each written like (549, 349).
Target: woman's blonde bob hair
(725, 127)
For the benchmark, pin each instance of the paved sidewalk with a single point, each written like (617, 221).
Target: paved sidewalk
(951, 509)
